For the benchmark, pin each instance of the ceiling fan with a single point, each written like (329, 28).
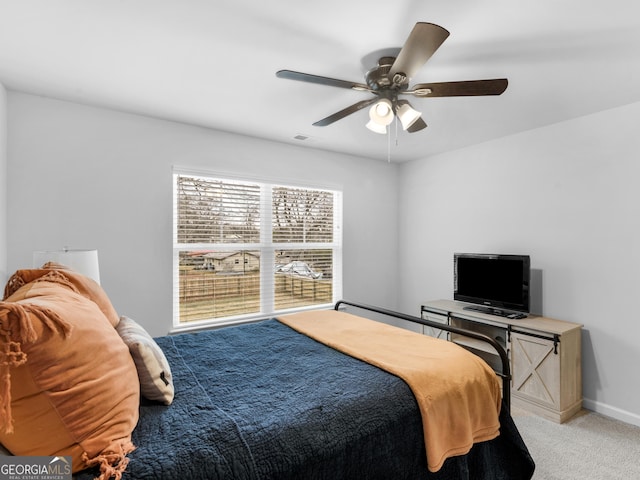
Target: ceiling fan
(389, 80)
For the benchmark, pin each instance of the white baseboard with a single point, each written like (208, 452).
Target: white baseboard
(613, 412)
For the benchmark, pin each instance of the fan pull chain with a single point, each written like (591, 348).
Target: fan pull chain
(389, 141)
(397, 131)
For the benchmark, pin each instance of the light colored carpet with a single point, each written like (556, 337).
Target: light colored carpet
(589, 446)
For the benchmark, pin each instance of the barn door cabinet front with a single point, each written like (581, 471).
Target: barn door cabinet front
(546, 376)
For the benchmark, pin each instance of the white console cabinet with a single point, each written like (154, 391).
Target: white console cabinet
(544, 355)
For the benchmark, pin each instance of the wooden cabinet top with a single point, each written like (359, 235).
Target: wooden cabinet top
(532, 322)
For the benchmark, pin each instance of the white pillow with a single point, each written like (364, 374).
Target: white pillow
(156, 382)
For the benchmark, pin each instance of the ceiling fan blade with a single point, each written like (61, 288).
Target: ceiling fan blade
(460, 89)
(417, 126)
(331, 82)
(423, 41)
(343, 113)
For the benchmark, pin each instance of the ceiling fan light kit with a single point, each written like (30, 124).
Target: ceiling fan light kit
(407, 115)
(390, 79)
(376, 127)
(382, 112)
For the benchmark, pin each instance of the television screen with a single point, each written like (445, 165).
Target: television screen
(495, 281)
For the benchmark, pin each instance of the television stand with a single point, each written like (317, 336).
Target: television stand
(544, 354)
(495, 311)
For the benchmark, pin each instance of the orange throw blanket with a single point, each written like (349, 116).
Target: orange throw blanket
(457, 392)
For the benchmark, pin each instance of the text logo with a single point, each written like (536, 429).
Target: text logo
(35, 468)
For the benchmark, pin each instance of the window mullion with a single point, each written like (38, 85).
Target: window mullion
(267, 254)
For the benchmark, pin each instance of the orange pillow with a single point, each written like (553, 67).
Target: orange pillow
(83, 285)
(69, 385)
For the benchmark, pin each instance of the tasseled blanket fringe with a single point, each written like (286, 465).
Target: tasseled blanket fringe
(112, 465)
(16, 327)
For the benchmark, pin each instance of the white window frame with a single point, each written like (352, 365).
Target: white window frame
(266, 247)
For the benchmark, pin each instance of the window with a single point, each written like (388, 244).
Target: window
(245, 250)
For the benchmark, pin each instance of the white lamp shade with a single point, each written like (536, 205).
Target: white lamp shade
(376, 127)
(407, 115)
(81, 261)
(381, 112)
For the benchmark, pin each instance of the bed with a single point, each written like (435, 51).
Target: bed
(264, 401)
(320, 394)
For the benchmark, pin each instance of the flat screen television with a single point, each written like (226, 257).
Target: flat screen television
(497, 284)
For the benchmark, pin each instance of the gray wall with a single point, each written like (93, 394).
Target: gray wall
(566, 194)
(85, 177)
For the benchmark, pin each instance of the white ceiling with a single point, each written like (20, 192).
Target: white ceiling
(212, 63)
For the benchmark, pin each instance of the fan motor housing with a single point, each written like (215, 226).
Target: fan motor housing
(378, 77)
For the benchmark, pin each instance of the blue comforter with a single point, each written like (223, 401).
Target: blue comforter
(262, 401)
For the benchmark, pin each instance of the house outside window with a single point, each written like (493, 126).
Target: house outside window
(245, 250)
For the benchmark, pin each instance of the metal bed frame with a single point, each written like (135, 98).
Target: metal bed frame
(505, 372)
